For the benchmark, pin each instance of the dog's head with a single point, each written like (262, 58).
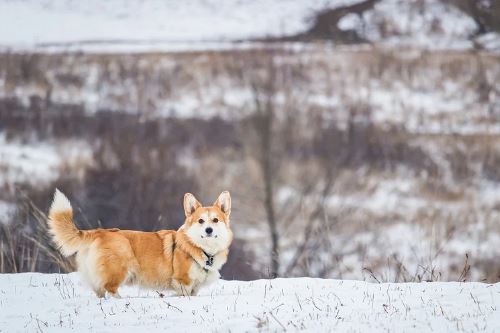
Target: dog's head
(208, 227)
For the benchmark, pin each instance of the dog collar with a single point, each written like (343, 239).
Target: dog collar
(209, 261)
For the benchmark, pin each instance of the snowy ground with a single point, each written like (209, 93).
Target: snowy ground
(59, 303)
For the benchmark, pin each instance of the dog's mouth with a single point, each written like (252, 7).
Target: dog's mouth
(209, 236)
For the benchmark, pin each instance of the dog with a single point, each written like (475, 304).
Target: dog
(184, 260)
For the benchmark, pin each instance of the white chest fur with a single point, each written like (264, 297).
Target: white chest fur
(201, 277)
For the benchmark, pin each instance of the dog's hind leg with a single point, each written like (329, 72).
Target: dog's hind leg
(115, 259)
(100, 292)
(87, 263)
(114, 277)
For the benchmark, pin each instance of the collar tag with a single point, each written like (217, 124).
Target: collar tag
(209, 262)
(210, 259)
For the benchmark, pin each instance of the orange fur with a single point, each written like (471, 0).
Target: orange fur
(166, 259)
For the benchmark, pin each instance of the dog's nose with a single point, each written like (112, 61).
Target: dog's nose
(209, 230)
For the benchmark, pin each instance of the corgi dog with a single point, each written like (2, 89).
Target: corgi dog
(184, 260)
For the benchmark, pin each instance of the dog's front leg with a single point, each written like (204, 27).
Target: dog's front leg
(195, 290)
(181, 288)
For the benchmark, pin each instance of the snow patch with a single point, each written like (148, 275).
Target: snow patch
(39, 163)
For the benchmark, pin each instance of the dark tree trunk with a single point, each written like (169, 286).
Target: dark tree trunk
(263, 123)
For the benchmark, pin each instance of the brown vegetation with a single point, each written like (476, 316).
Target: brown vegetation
(285, 155)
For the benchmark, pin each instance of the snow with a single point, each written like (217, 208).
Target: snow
(40, 162)
(24, 163)
(58, 303)
(156, 25)
(100, 24)
(428, 24)
(7, 209)
(37, 163)
(149, 46)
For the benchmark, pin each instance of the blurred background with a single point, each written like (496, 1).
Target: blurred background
(359, 139)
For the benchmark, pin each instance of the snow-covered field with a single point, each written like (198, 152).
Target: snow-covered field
(59, 303)
(140, 26)
(160, 25)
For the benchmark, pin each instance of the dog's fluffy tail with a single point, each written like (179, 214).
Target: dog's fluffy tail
(64, 232)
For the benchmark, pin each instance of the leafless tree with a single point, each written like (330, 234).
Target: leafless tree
(274, 116)
(263, 88)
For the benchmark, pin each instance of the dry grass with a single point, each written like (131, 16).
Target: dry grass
(25, 244)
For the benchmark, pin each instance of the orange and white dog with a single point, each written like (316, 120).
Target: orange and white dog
(182, 260)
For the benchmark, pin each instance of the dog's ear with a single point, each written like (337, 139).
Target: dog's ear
(224, 202)
(190, 204)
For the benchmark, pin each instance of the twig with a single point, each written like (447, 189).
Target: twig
(172, 306)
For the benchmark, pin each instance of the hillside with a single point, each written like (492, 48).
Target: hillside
(59, 303)
(410, 139)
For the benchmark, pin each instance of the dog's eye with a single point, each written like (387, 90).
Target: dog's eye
(215, 220)
(201, 221)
